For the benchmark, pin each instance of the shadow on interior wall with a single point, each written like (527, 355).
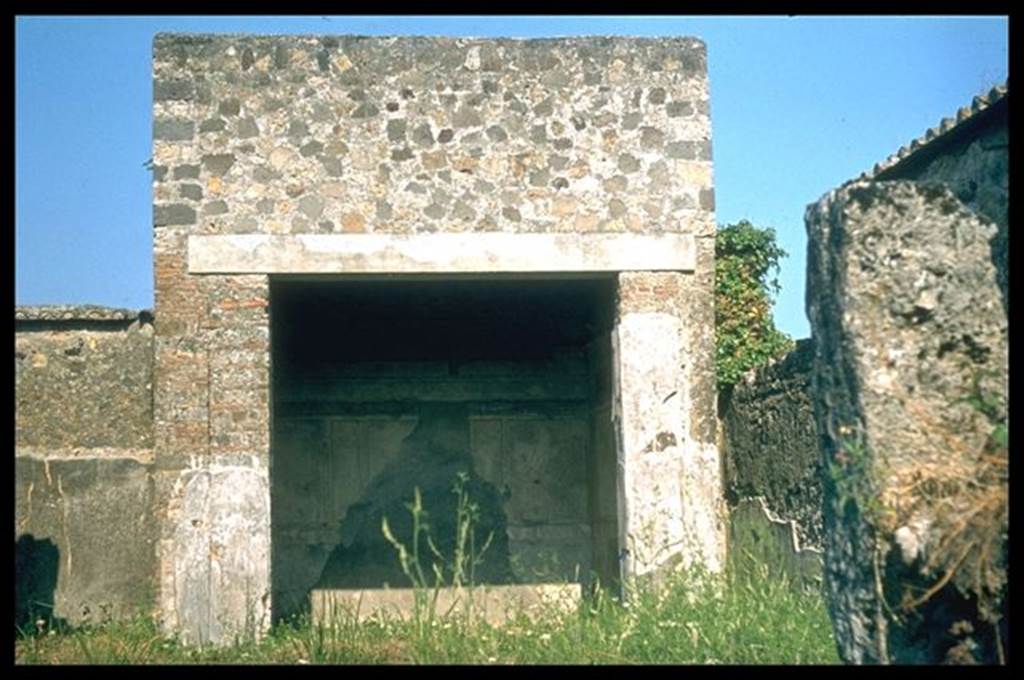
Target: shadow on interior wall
(430, 459)
(36, 566)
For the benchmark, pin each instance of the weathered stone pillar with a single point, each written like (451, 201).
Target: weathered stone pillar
(670, 498)
(210, 401)
(214, 474)
(909, 383)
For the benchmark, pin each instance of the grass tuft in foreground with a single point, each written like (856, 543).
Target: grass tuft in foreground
(694, 619)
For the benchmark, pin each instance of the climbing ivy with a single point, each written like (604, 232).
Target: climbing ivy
(746, 270)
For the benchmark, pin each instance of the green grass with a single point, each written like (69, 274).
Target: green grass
(693, 619)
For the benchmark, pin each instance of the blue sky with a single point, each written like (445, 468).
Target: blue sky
(798, 106)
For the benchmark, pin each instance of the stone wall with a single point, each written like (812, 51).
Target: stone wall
(910, 380)
(974, 164)
(296, 136)
(772, 461)
(350, 134)
(84, 524)
(771, 411)
(908, 302)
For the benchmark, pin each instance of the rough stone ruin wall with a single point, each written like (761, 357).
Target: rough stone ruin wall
(910, 329)
(772, 460)
(84, 527)
(769, 435)
(976, 169)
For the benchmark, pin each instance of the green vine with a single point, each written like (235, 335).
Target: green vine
(850, 470)
(746, 271)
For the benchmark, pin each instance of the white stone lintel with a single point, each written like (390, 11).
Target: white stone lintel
(438, 253)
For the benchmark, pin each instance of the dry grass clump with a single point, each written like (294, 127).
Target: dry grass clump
(960, 504)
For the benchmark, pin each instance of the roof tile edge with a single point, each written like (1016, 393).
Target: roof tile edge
(936, 134)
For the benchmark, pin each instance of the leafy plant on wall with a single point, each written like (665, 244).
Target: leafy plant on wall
(746, 279)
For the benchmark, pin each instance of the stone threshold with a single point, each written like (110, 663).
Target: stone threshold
(494, 604)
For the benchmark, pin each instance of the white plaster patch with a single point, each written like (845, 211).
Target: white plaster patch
(473, 58)
(221, 554)
(704, 516)
(648, 362)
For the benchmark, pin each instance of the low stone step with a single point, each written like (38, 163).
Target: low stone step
(495, 604)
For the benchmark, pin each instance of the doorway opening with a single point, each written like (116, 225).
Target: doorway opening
(388, 386)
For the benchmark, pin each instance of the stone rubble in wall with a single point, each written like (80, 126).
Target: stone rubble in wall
(313, 175)
(907, 321)
(77, 313)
